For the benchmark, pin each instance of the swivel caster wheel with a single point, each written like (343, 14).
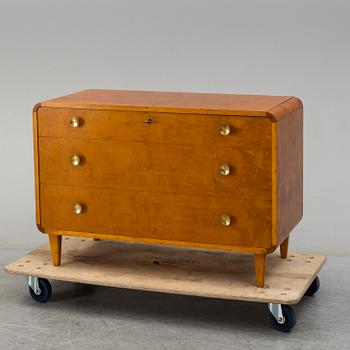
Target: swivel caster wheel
(39, 289)
(314, 287)
(282, 317)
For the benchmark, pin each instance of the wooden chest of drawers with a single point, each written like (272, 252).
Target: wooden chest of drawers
(213, 171)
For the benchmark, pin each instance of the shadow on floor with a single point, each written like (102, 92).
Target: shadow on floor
(151, 305)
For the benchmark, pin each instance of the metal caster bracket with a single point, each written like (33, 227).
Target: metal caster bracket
(276, 311)
(34, 284)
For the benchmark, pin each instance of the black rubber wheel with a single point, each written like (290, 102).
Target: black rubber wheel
(46, 291)
(289, 319)
(314, 287)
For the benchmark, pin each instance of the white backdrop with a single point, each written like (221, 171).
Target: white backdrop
(302, 48)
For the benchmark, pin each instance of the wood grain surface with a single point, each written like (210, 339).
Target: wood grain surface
(166, 128)
(177, 102)
(149, 169)
(157, 215)
(94, 124)
(166, 168)
(289, 173)
(173, 270)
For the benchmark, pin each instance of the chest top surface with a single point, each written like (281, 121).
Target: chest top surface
(180, 102)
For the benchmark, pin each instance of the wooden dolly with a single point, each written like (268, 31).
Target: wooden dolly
(214, 274)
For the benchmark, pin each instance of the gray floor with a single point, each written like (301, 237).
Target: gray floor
(89, 317)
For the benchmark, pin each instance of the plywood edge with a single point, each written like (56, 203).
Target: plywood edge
(204, 274)
(203, 294)
(323, 260)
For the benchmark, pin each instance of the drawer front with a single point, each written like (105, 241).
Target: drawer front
(167, 128)
(161, 168)
(196, 129)
(92, 124)
(154, 215)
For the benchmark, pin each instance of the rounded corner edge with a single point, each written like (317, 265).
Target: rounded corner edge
(297, 103)
(40, 228)
(36, 107)
(271, 249)
(287, 107)
(274, 117)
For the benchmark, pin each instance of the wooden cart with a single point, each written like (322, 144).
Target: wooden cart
(214, 274)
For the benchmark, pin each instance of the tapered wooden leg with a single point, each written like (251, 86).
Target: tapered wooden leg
(284, 248)
(259, 260)
(55, 246)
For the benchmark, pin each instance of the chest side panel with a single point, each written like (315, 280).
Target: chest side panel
(289, 173)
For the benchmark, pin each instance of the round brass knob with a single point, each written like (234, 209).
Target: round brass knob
(75, 160)
(75, 122)
(224, 129)
(225, 220)
(224, 169)
(77, 208)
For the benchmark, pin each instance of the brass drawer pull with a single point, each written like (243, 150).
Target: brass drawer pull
(77, 208)
(224, 169)
(225, 129)
(225, 220)
(75, 122)
(75, 159)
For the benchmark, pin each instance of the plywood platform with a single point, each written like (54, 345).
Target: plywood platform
(174, 270)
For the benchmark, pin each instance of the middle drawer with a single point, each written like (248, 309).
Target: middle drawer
(166, 168)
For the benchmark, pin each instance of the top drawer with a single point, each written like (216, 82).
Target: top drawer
(171, 128)
(91, 124)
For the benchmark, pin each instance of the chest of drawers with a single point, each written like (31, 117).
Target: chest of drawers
(212, 171)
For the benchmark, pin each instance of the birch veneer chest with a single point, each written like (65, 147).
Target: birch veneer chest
(213, 171)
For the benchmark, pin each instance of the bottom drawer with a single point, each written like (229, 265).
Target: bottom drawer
(162, 216)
